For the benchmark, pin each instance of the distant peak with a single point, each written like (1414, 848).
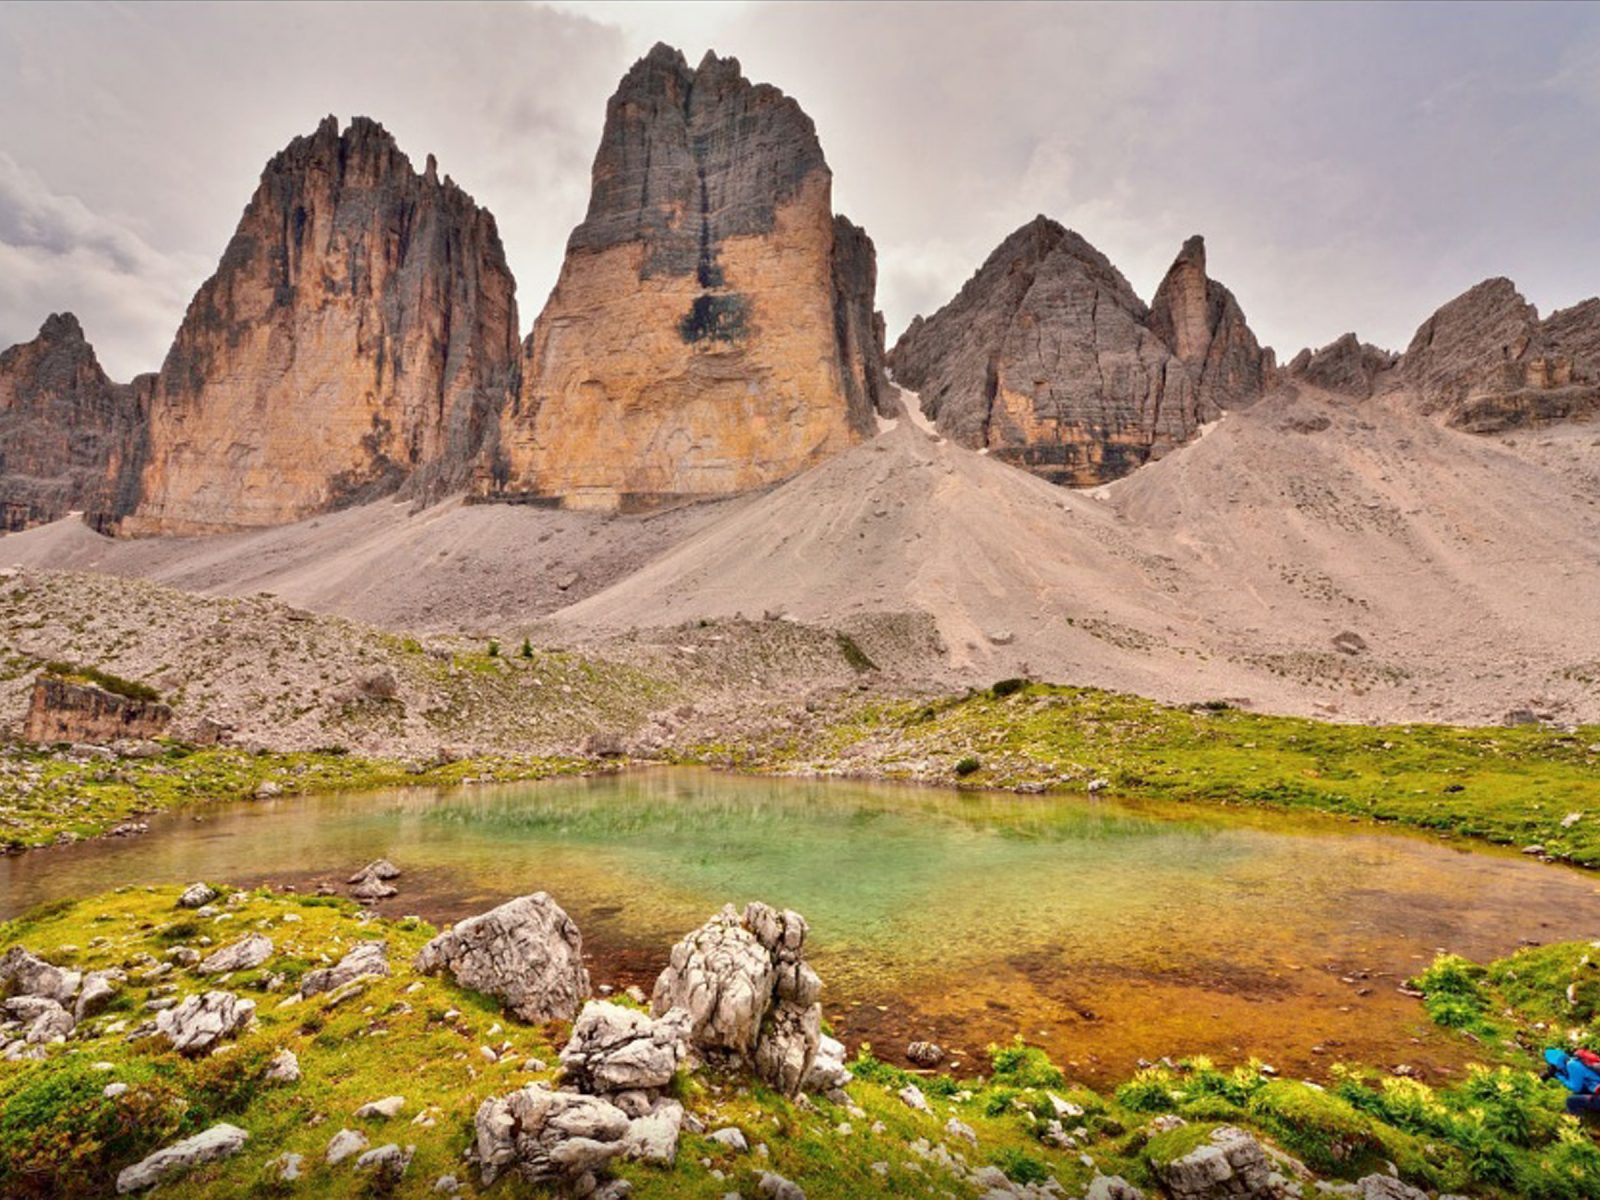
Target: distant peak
(61, 327)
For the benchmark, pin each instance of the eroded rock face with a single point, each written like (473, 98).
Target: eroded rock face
(713, 328)
(220, 1141)
(68, 434)
(527, 952)
(359, 337)
(369, 958)
(615, 1049)
(1049, 359)
(1487, 363)
(1204, 326)
(1346, 366)
(196, 1026)
(1231, 1166)
(61, 710)
(750, 996)
(547, 1135)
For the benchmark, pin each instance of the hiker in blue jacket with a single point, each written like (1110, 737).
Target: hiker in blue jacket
(1582, 1080)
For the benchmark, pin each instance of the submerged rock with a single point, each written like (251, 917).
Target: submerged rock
(750, 995)
(220, 1141)
(527, 953)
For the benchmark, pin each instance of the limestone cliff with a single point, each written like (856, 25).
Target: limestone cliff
(712, 329)
(67, 433)
(1049, 359)
(1204, 326)
(1346, 366)
(1486, 362)
(359, 337)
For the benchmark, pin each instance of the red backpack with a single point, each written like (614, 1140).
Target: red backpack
(1588, 1058)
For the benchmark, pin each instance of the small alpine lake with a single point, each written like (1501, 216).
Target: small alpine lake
(1105, 932)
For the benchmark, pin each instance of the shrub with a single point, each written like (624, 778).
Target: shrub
(104, 680)
(527, 648)
(854, 654)
(1020, 1065)
(494, 648)
(1007, 687)
(1020, 1167)
(967, 766)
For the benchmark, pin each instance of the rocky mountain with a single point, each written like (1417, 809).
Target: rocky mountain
(1486, 362)
(712, 329)
(67, 432)
(1205, 327)
(1048, 359)
(1346, 366)
(358, 338)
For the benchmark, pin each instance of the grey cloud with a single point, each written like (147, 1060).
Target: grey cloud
(1352, 166)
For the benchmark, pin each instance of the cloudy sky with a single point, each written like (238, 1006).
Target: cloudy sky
(1352, 166)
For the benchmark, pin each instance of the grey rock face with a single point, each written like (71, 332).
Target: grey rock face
(527, 953)
(547, 1136)
(1346, 366)
(702, 141)
(1232, 1166)
(750, 995)
(247, 952)
(284, 1067)
(1487, 363)
(68, 432)
(197, 895)
(616, 1049)
(369, 958)
(343, 1144)
(1112, 1187)
(776, 1187)
(25, 974)
(1049, 359)
(43, 1019)
(1204, 326)
(827, 1069)
(1387, 1187)
(220, 1141)
(99, 987)
(200, 1022)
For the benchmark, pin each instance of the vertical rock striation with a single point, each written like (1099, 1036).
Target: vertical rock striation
(712, 329)
(67, 433)
(1205, 327)
(358, 338)
(1487, 363)
(1049, 359)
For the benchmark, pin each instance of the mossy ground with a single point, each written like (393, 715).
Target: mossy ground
(1500, 1133)
(47, 796)
(1515, 786)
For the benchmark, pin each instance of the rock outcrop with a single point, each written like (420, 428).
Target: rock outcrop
(527, 953)
(367, 959)
(1346, 366)
(713, 328)
(1048, 359)
(68, 434)
(1486, 362)
(1232, 1165)
(1204, 326)
(615, 1049)
(359, 337)
(220, 1141)
(198, 1025)
(66, 710)
(751, 997)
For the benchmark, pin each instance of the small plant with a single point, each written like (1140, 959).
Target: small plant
(1025, 1066)
(1020, 1167)
(494, 648)
(967, 766)
(1007, 687)
(527, 648)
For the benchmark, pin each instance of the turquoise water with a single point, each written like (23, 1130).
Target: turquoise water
(1104, 931)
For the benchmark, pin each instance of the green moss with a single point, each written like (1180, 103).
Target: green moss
(1173, 1144)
